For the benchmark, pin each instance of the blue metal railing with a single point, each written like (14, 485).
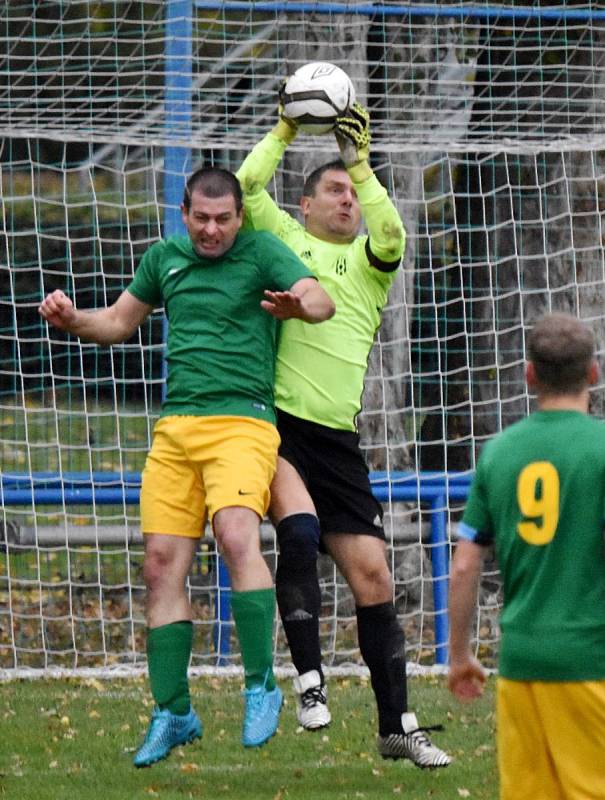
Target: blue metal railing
(472, 10)
(432, 490)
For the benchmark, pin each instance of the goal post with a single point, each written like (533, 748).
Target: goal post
(488, 127)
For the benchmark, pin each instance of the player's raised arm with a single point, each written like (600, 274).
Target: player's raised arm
(261, 211)
(386, 241)
(306, 300)
(110, 325)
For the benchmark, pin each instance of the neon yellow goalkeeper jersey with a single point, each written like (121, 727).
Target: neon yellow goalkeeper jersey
(320, 368)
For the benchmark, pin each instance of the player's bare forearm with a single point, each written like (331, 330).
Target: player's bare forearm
(312, 305)
(103, 326)
(466, 677)
(317, 304)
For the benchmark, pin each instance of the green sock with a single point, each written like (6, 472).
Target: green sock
(168, 653)
(254, 613)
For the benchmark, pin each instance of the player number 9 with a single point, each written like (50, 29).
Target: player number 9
(538, 498)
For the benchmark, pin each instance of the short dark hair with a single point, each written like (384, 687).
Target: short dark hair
(213, 182)
(561, 348)
(314, 178)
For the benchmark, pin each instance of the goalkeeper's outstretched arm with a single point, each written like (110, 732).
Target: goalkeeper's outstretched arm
(261, 211)
(386, 241)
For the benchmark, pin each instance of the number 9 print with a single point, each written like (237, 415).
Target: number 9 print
(538, 497)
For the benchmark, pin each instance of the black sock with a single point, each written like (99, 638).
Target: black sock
(382, 646)
(297, 589)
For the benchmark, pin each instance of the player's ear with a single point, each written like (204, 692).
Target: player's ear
(530, 374)
(304, 205)
(593, 374)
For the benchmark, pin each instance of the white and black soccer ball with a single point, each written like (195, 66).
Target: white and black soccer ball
(315, 95)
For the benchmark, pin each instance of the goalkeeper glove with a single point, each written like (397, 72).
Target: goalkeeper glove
(352, 133)
(286, 129)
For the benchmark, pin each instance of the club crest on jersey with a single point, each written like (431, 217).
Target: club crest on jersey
(306, 254)
(340, 266)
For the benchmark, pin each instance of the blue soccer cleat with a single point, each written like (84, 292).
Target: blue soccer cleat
(261, 715)
(167, 730)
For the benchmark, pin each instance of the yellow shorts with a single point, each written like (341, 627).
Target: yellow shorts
(198, 465)
(551, 740)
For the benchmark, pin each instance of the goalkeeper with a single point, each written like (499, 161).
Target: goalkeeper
(321, 494)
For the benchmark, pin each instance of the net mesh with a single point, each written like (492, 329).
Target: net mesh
(462, 75)
(487, 131)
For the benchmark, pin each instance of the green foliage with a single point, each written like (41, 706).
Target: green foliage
(76, 738)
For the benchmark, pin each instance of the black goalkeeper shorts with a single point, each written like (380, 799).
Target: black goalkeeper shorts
(331, 464)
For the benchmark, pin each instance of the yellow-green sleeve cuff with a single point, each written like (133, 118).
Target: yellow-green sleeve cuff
(360, 172)
(285, 132)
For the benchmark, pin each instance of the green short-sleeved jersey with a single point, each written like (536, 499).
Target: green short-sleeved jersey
(539, 494)
(221, 344)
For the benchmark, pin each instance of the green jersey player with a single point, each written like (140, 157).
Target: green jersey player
(539, 496)
(215, 446)
(321, 495)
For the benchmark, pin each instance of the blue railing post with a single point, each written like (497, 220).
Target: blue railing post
(221, 633)
(178, 63)
(177, 117)
(440, 562)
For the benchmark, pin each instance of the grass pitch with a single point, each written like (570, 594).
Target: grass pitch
(74, 740)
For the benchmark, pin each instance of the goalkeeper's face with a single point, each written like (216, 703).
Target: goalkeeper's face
(212, 223)
(332, 212)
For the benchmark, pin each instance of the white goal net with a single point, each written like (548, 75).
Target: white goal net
(489, 132)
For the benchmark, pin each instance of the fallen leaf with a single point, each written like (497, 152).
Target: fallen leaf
(190, 767)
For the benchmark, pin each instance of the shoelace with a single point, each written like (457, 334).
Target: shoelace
(313, 695)
(422, 731)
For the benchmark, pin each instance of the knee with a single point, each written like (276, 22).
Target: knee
(298, 540)
(237, 536)
(372, 583)
(378, 575)
(156, 567)
(235, 547)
